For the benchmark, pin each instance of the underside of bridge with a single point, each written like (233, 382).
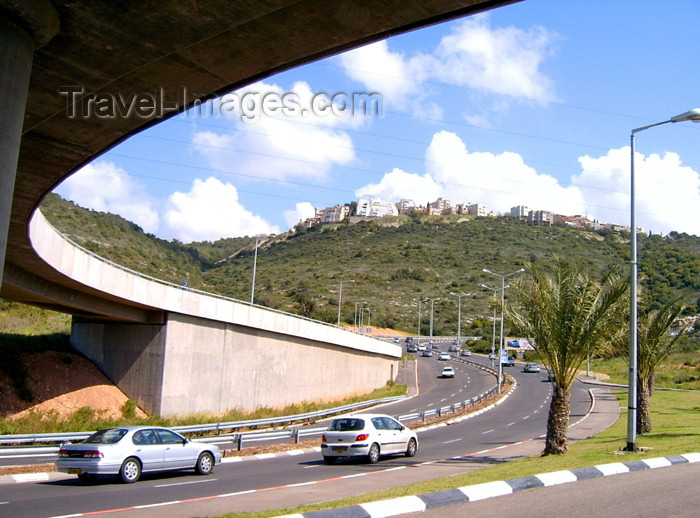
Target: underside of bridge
(208, 47)
(57, 57)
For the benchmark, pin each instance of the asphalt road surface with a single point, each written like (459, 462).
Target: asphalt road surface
(302, 477)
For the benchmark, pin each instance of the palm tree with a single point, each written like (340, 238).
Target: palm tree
(654, 345)
(567, 315)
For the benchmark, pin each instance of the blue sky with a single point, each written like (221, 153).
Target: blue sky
(529, 104)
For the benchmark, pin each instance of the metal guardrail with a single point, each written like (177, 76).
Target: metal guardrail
(219, 428)
(241, 438)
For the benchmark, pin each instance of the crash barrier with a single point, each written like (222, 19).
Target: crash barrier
(226, 430)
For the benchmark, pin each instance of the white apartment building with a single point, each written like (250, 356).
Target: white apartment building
(520, 212)
(376, 208)
(478, 209)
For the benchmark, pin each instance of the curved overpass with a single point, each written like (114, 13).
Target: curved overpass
(114, 48)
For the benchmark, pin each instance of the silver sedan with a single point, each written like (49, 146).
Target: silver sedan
(128, 451)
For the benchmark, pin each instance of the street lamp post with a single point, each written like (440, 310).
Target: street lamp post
(692, 115)
(501, 345)
(369, 319)
(255, 265)
(459, 313)
(493, 340)
(340, 298)
(355, 319)
(418, 334)
(432, 307)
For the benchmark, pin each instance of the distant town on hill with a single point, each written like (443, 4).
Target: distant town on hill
(395, 263)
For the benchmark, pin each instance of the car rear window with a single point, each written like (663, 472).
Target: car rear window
(347, 425)
(109, 436)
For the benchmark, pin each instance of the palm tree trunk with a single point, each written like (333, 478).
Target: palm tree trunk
(645, 389)
(558, 422)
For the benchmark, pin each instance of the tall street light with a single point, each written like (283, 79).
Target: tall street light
(255, 265)
(355, 320)
(692, 115)
(418, 337)
(501, 345)
(459, 313)
(340, 298)
(493, 340)
(369, 319)
(432, 307)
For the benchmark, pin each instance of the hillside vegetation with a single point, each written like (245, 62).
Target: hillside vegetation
(394, 262)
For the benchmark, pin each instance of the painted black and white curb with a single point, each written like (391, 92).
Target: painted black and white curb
(418, 503)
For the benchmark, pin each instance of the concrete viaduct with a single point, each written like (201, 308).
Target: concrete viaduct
(172, 351)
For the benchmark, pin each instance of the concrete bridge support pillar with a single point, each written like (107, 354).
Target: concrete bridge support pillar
(24, 27)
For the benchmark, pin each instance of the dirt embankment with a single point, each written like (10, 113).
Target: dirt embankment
(62, 383)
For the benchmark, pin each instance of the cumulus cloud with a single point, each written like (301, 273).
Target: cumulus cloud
(303, 211)
(105, 187)
(505, 61)
(209, 211)
(399, 184)
(500, 181)
(667, 192)
(500, 60)
(279, 147)
(392, 74)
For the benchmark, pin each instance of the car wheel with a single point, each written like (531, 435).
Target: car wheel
(130, 471)
(412, 448)
(373, 455)
(205, 463)
(329, 460)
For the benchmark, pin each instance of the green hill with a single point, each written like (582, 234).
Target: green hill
(394, 262)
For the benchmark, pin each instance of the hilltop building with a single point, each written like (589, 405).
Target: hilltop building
(478, 209)
(334, 214)
(520, 212)
(375, 208)
(405, 206)
(439, 207)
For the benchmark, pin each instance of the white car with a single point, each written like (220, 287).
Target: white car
(128, 451)
(367, 435)
(465, 352)
(444, 356)
(448, 372)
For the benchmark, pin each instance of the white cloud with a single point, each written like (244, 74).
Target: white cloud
(383, 71)
(209, 211)
(499, 60)
(399, 184)
(277, 147)
(105, 187)
(505, 61)
(500, 181)
(303, 211)
(667, 192)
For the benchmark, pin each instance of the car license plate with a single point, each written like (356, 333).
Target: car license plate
(340, 448)
(75, 471)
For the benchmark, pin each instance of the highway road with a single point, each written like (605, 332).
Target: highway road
(291, 479)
